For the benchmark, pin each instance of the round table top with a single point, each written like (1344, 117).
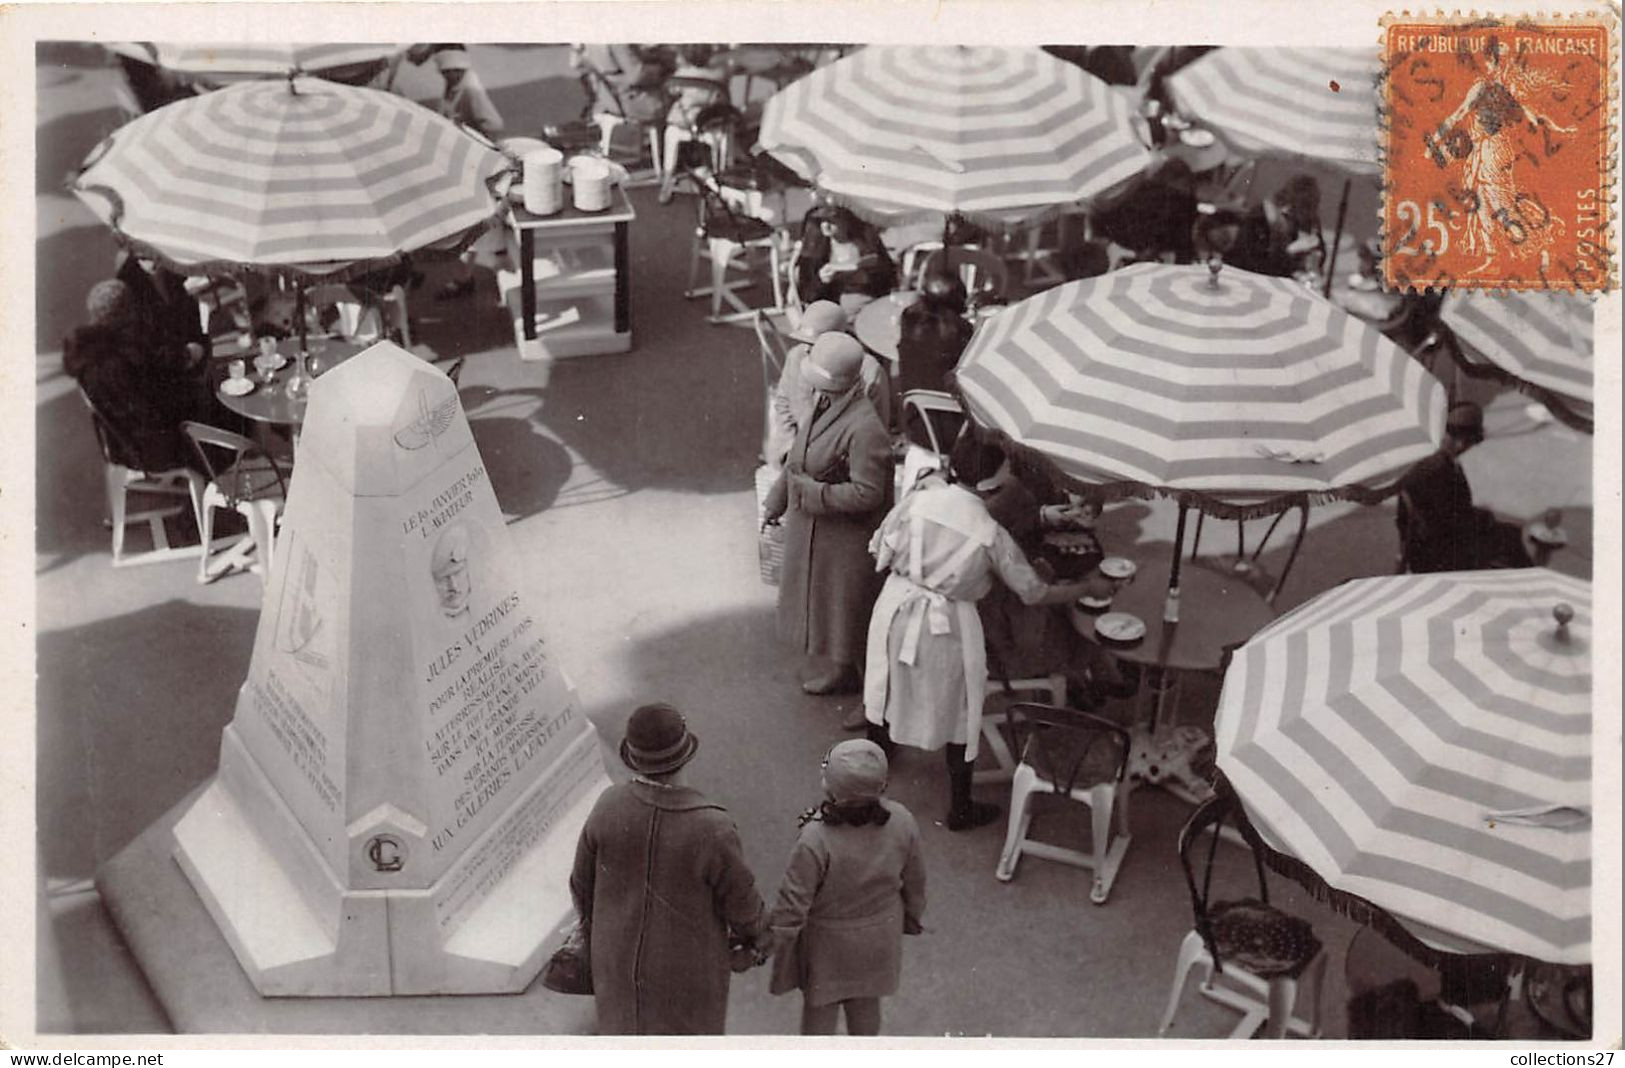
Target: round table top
(1215, 610)
(269, 401)
(879, 324)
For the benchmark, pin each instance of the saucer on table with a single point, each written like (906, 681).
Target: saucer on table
(1120, 627)
(237, 387)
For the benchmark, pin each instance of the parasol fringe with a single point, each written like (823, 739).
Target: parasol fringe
(1570, 413)
(1212, 504)
(1458, 969)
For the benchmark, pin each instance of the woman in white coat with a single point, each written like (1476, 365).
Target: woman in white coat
(927, 664)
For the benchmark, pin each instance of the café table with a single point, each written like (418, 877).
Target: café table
(1217, 610)
(268, 404)
(879, 324)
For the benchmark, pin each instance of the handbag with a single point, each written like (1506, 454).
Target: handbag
(569, 969)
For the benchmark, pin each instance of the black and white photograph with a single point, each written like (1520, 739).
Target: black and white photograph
(935, 523)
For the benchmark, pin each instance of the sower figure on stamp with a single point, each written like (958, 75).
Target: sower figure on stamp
(1489, 118)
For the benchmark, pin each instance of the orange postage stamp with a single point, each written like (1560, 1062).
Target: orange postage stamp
(1498, 151)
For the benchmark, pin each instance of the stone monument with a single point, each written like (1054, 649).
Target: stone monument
(401, 787)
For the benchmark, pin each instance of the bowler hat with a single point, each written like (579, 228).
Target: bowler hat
(820, 317)
(855, 770)
(834, 362)
(657, 740)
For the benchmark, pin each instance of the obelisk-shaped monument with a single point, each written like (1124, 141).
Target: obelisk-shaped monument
(403, 782)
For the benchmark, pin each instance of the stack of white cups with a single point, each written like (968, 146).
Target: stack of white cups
(590, 177)
(544, 181)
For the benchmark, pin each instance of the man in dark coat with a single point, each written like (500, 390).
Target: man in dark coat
(660, 885)
(835, 487)
(1439, 529)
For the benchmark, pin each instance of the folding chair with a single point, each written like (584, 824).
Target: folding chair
(246, 479)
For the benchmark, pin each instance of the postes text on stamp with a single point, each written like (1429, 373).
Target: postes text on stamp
(1497, 147)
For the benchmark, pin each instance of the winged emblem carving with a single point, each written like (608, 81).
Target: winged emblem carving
(429, 424)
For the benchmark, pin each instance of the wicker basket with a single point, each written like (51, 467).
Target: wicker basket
(769, 541)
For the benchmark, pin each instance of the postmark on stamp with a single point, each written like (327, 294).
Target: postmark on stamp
(1497, 149)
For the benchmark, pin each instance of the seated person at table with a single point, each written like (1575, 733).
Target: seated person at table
(934, 334)
(793, 396)
(1024, 641)
(1281, 236)
(160, 302)
(1155, 217)
(143, 387)
(842, 259)
(705, 74)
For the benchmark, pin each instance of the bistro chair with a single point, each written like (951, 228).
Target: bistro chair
(126, 471)
(247, 480)
(986, 278)
(1051, 687)
(728, 238)
(710, 127)
(774, 353)
(1084, 758)
(1263, 952)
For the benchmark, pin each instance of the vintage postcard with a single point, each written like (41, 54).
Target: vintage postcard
(809, 520)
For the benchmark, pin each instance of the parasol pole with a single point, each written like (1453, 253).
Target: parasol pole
(1179, 546)
(299, 311)
(1337, 237)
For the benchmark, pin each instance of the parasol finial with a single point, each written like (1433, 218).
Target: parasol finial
(1215, 264)
(1563, 613)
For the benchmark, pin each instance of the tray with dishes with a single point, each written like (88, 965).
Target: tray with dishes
(1120, 627)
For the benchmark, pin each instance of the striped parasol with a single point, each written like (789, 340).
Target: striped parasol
(300, 177)
(1210, 387)
(1000, 135)
(1319, 103)
(1423, 743)
(238, 61)
(1538, 341)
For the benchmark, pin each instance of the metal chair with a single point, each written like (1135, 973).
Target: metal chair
(728, 238)
(246, 479)
(986, 278)
(1263, 951)
(1053, 687)
(1077, 755)
(126, 472)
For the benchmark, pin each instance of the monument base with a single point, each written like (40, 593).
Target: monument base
(298, 933)
(196, 977)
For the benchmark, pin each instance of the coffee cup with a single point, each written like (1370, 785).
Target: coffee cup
(237, 369)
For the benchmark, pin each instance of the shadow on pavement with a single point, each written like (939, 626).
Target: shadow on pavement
(118, 741)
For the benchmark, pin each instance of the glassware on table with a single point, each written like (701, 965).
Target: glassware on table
(266, 366)
(298, 382)
(267, 349)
